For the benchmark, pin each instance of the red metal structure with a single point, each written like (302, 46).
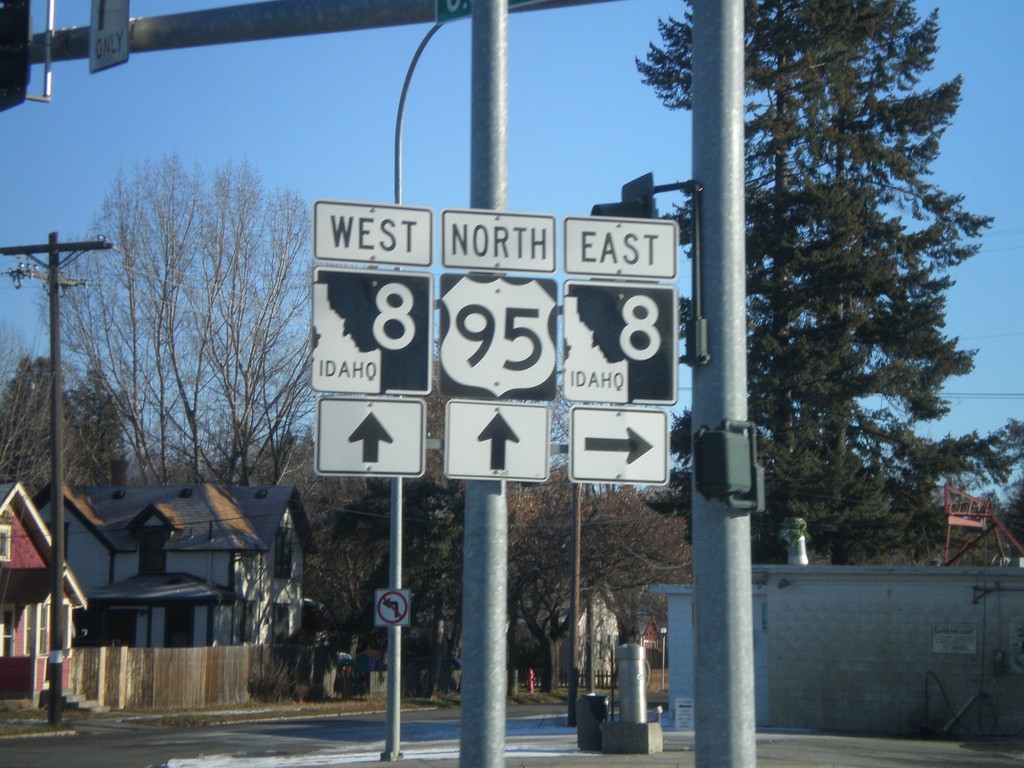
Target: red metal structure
(966, 511)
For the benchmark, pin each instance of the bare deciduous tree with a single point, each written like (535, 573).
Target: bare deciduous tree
(196, 321)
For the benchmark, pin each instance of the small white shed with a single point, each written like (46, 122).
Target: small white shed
(874, 649)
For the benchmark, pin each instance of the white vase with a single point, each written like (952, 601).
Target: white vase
(798, 552)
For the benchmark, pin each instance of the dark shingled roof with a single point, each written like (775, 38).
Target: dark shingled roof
(161, 587)
(203, 516)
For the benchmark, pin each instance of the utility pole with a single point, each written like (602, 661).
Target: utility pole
(55, 283)
(485, 540)
(724, 706)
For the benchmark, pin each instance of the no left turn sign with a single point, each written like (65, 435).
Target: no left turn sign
(391, 608)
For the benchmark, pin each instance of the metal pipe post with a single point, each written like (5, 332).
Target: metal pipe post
(485, 540)
(393, 740)
(724, 679)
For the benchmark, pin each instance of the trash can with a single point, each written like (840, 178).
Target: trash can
(591, 711)
(633, 672)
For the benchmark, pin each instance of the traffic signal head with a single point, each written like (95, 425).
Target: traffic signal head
(637, 201)
(15, 44)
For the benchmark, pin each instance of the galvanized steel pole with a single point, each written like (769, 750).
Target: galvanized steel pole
(724, 677)
(485, 538)
(393, 739)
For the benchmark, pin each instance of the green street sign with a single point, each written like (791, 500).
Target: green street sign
(448, 10)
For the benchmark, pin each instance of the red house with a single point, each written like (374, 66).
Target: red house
(25, 599)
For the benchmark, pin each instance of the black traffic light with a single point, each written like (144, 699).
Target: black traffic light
(637, 201)
(15, 44)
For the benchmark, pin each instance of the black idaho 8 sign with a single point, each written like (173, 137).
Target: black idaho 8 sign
(372, 331)
(622, 343)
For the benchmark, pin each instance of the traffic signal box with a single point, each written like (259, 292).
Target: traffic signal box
(15, 44)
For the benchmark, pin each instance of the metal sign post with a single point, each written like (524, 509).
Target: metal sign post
(724, 670)
(485, 540)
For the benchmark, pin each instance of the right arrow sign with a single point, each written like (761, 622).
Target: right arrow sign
(618, 445)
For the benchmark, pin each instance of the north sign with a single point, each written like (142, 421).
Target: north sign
(498, 337)
(372, 233)
(608, 445)
(644, 249)
(496, 441)
(621, 342)
(372, 331)
(497, 241)
(370, 437)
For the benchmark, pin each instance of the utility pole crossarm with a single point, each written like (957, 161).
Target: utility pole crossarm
(258, 21)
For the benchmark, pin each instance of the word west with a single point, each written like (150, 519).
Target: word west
(369, 234)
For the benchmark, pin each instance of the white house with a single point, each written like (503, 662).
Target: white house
(186, 565)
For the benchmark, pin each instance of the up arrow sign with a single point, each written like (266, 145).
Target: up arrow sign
(498, 432)
(370, 437)
(519, 437)
(370, 433)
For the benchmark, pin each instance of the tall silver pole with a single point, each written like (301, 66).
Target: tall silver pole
(393, 741)
(724, 682)
(485, 540)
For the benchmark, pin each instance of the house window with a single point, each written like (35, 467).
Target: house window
(247, 622)
(179, 621)
(7, 633)
(152, 557)
(283, 554)
(281, 624)
(5, 542)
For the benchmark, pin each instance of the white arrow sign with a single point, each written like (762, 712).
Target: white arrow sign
(492, 441)
(370, 437)
(608, 445)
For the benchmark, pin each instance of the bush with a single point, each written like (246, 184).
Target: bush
(270, 681)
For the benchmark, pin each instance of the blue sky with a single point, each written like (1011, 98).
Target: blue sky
(317, 115)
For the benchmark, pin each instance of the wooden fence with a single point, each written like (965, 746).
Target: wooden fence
(191, 678)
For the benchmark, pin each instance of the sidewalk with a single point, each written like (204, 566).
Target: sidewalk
(777, 750)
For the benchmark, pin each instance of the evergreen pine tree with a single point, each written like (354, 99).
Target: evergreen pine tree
(850, 249)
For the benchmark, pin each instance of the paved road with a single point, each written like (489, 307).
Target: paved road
(536, 736)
